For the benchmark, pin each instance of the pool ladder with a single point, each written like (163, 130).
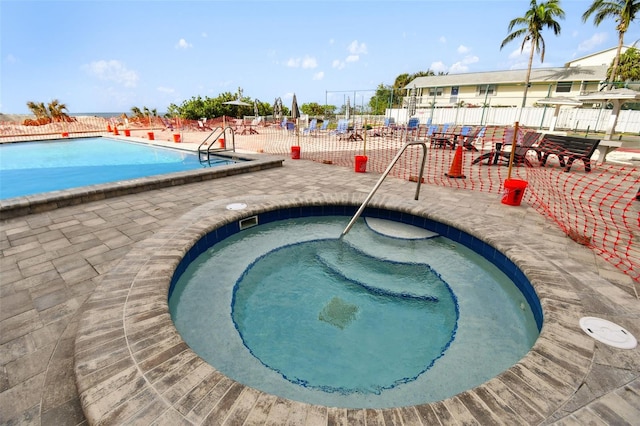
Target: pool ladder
(205, 149)
(384, 175)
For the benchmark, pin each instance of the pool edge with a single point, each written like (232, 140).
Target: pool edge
(37, 203)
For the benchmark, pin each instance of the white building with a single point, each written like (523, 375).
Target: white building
(506, 88)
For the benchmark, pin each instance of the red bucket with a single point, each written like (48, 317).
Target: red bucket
(361, 163)
(295, 152)
(151, 136)
(222, 143)
(513, 191)
(176, 138)
(127, 132)
(65, 134)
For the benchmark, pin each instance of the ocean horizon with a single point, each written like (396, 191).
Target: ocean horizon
(79, 114)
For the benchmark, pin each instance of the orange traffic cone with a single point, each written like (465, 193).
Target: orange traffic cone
(115, 131)
(456, 165)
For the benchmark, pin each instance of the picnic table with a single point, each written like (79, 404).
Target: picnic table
(441, 139)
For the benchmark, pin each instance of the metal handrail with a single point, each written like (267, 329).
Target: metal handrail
(224, 135)
(217, 132)
(384, 175)
(215, 129)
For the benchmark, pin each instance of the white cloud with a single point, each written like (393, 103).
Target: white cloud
(112, 71)
(318, 75)
(458, 68)
(183, 44)
(337, 64)
(442, 39)
(166, 89)
(517, 54)
(463, 49)
(356, 48)
(596, 40)
(352, 58)
(462, 66)
(438, 66)
(204, 35)
(309, 62)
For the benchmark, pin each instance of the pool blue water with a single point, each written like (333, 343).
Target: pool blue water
(373, 321)
(34, 167)
(323, 318)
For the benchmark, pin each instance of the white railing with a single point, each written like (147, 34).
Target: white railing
(577, 119)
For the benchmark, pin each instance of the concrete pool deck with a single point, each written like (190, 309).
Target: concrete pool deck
(57, 266)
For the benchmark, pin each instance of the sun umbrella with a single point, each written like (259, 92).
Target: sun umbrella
(236, 102)
(295, 111)
(411, 110)
(347, 108)
(277, 109)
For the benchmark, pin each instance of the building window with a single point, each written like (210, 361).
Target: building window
(435, 91)
(454, 94)
(487, 89)
(563, 87)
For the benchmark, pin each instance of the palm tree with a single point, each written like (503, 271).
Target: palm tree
(57, 111)
(628, 67)
(38, 109)
(624, 12)
(136, 112)
(539, 16)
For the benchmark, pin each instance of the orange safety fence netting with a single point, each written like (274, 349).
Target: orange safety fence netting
(597, 209)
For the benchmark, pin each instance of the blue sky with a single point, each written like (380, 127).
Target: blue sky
(107, 56)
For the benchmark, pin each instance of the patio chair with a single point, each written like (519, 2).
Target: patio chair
(311, 129)
(342, 129)
(239, 127)
(202, 126)
(167, 125)
(469, 140)
(425, 133)
(524, 144)
(389, 127)
(323, 128)
(413, 125)
(252, 127)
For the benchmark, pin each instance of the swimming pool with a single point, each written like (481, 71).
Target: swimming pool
(466, 354)
(36, 167)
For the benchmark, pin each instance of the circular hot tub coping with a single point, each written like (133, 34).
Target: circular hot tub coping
(131, 365)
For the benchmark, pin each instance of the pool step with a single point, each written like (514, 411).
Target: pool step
(382, 276)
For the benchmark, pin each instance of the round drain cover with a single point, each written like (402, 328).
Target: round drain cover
(608, 332)
(236, 206)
